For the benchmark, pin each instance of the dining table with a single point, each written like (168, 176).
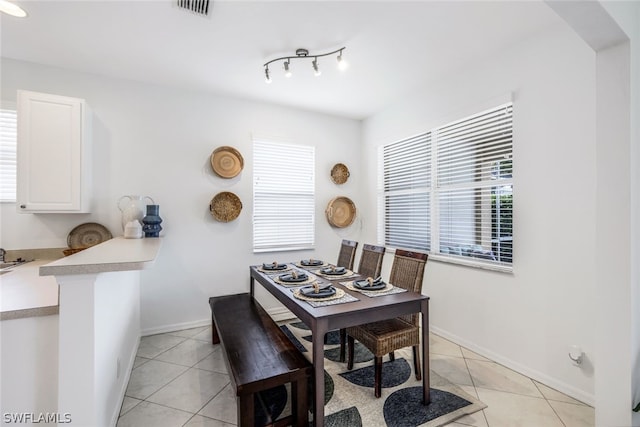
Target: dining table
(355, 308)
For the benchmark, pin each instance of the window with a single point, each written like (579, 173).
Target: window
(8, 145)
(283, 196)
(449, 191)
(407, 193)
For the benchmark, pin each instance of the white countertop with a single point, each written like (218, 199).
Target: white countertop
(117, 254)
(31, 289)
(23, 293)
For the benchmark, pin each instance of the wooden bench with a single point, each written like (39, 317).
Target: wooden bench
(259, 356)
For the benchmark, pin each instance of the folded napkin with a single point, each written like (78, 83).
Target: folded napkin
(311, 262)
(273, 266)
(369, 282)
(323, 291)
(333, 270)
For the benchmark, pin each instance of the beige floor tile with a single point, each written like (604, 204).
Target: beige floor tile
(477, 419)
(153, 345)
(439, 345)
(151, 377)
(552, 394)
(205, 335)
(188, 333)
(494, 376)
(468, 354)
(469, 389)
(150, 414)
(213, 362)
(187, 353)
(222, 407)
(452, 368)
(191, 390)
(573, 415)
(515, 410)
(139, 361)
(200, 421)
(128, 403)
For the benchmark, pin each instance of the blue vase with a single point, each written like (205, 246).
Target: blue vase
(151, 222)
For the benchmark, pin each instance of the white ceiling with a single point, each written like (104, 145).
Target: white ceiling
(392, 47)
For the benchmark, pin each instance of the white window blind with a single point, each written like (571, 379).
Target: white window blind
(283, 196)
(475, 186)
(450, 190)
(407, 193)
(8, 145)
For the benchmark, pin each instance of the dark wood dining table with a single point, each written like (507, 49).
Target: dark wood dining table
(332, 317)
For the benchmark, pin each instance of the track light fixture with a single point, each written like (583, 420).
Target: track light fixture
(304, 54)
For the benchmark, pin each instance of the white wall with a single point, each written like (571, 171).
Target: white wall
(155, 141)
(527, 319)
(29, 382)
(627, 15)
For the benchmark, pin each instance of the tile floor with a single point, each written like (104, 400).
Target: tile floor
(180, 379)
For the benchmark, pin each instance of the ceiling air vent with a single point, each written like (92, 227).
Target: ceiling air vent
(199, 7)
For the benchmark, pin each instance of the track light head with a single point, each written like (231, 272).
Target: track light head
(342, 64)
(287, 70)
(267, 77)
(316, 70)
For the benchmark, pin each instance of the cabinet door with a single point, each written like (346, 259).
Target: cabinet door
(50, 153)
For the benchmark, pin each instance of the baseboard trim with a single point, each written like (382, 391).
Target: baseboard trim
(545, 379)
(278, 314)
(175, 327)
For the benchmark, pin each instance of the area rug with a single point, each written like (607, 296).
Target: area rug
(349, 398)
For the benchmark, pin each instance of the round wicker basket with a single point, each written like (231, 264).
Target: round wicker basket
(227, 162)
(339, 173)
(225, 206)
(341, 212)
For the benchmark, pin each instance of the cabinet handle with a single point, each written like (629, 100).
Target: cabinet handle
(23, 206)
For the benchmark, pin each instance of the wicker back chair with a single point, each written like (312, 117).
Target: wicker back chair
(371, 261)
(370, 266)
(347, 254)
(386, 336)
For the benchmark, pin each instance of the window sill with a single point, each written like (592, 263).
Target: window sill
(471, 263)
(287, 249)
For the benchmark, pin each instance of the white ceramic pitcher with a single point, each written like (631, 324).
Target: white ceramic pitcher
(133, 208)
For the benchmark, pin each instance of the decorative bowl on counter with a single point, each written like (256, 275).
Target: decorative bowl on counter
(88, 234)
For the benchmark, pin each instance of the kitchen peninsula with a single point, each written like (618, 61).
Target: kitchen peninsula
(98, 330)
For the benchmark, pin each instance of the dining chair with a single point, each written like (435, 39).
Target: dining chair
(386, 336)
(347, 254)
(345, 259)
(371, 260)
(370, 266)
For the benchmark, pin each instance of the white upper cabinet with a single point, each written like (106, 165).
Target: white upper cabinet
(54, 161)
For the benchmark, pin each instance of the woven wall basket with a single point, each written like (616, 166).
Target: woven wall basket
(341, 212)
(227, 162)
(340, 173)
(225, 206)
